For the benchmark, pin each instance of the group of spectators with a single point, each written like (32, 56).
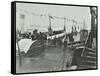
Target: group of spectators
(63, 40)
(43, 36)
(35, 35)
(39, 36)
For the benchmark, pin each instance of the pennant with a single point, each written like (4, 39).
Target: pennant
(51, 17)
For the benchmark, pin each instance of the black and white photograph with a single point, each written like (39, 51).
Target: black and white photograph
(55, 37)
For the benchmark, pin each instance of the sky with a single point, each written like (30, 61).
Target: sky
(37, 17)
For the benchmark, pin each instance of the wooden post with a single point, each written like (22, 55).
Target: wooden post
(50, 25)
(19, 53)
(93, 11)
(64, 21)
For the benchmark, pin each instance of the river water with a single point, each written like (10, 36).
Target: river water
(52, 59)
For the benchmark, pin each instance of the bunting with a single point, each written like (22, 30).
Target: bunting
(51, 17)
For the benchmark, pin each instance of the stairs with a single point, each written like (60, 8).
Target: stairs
(85, 57)
(88, 60)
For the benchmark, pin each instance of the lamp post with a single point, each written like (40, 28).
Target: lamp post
(93, 12)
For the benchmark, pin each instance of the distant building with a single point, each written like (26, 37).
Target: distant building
(22, 18)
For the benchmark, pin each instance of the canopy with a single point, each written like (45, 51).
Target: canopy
(24, 44)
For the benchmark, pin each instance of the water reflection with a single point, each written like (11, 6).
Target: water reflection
(51, 60)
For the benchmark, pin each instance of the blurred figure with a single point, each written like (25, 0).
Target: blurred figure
(55, 41)
(35, 35)
(71, 39)
(65, 41)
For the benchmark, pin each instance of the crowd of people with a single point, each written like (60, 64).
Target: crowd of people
(38, 36)
(34, 36)
(43, 36)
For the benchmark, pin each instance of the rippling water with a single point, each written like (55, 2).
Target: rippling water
(50, 60)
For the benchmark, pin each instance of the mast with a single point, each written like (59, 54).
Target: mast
(50, 29)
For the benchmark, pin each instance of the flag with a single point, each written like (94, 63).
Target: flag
(22, 16)
(51, 17)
